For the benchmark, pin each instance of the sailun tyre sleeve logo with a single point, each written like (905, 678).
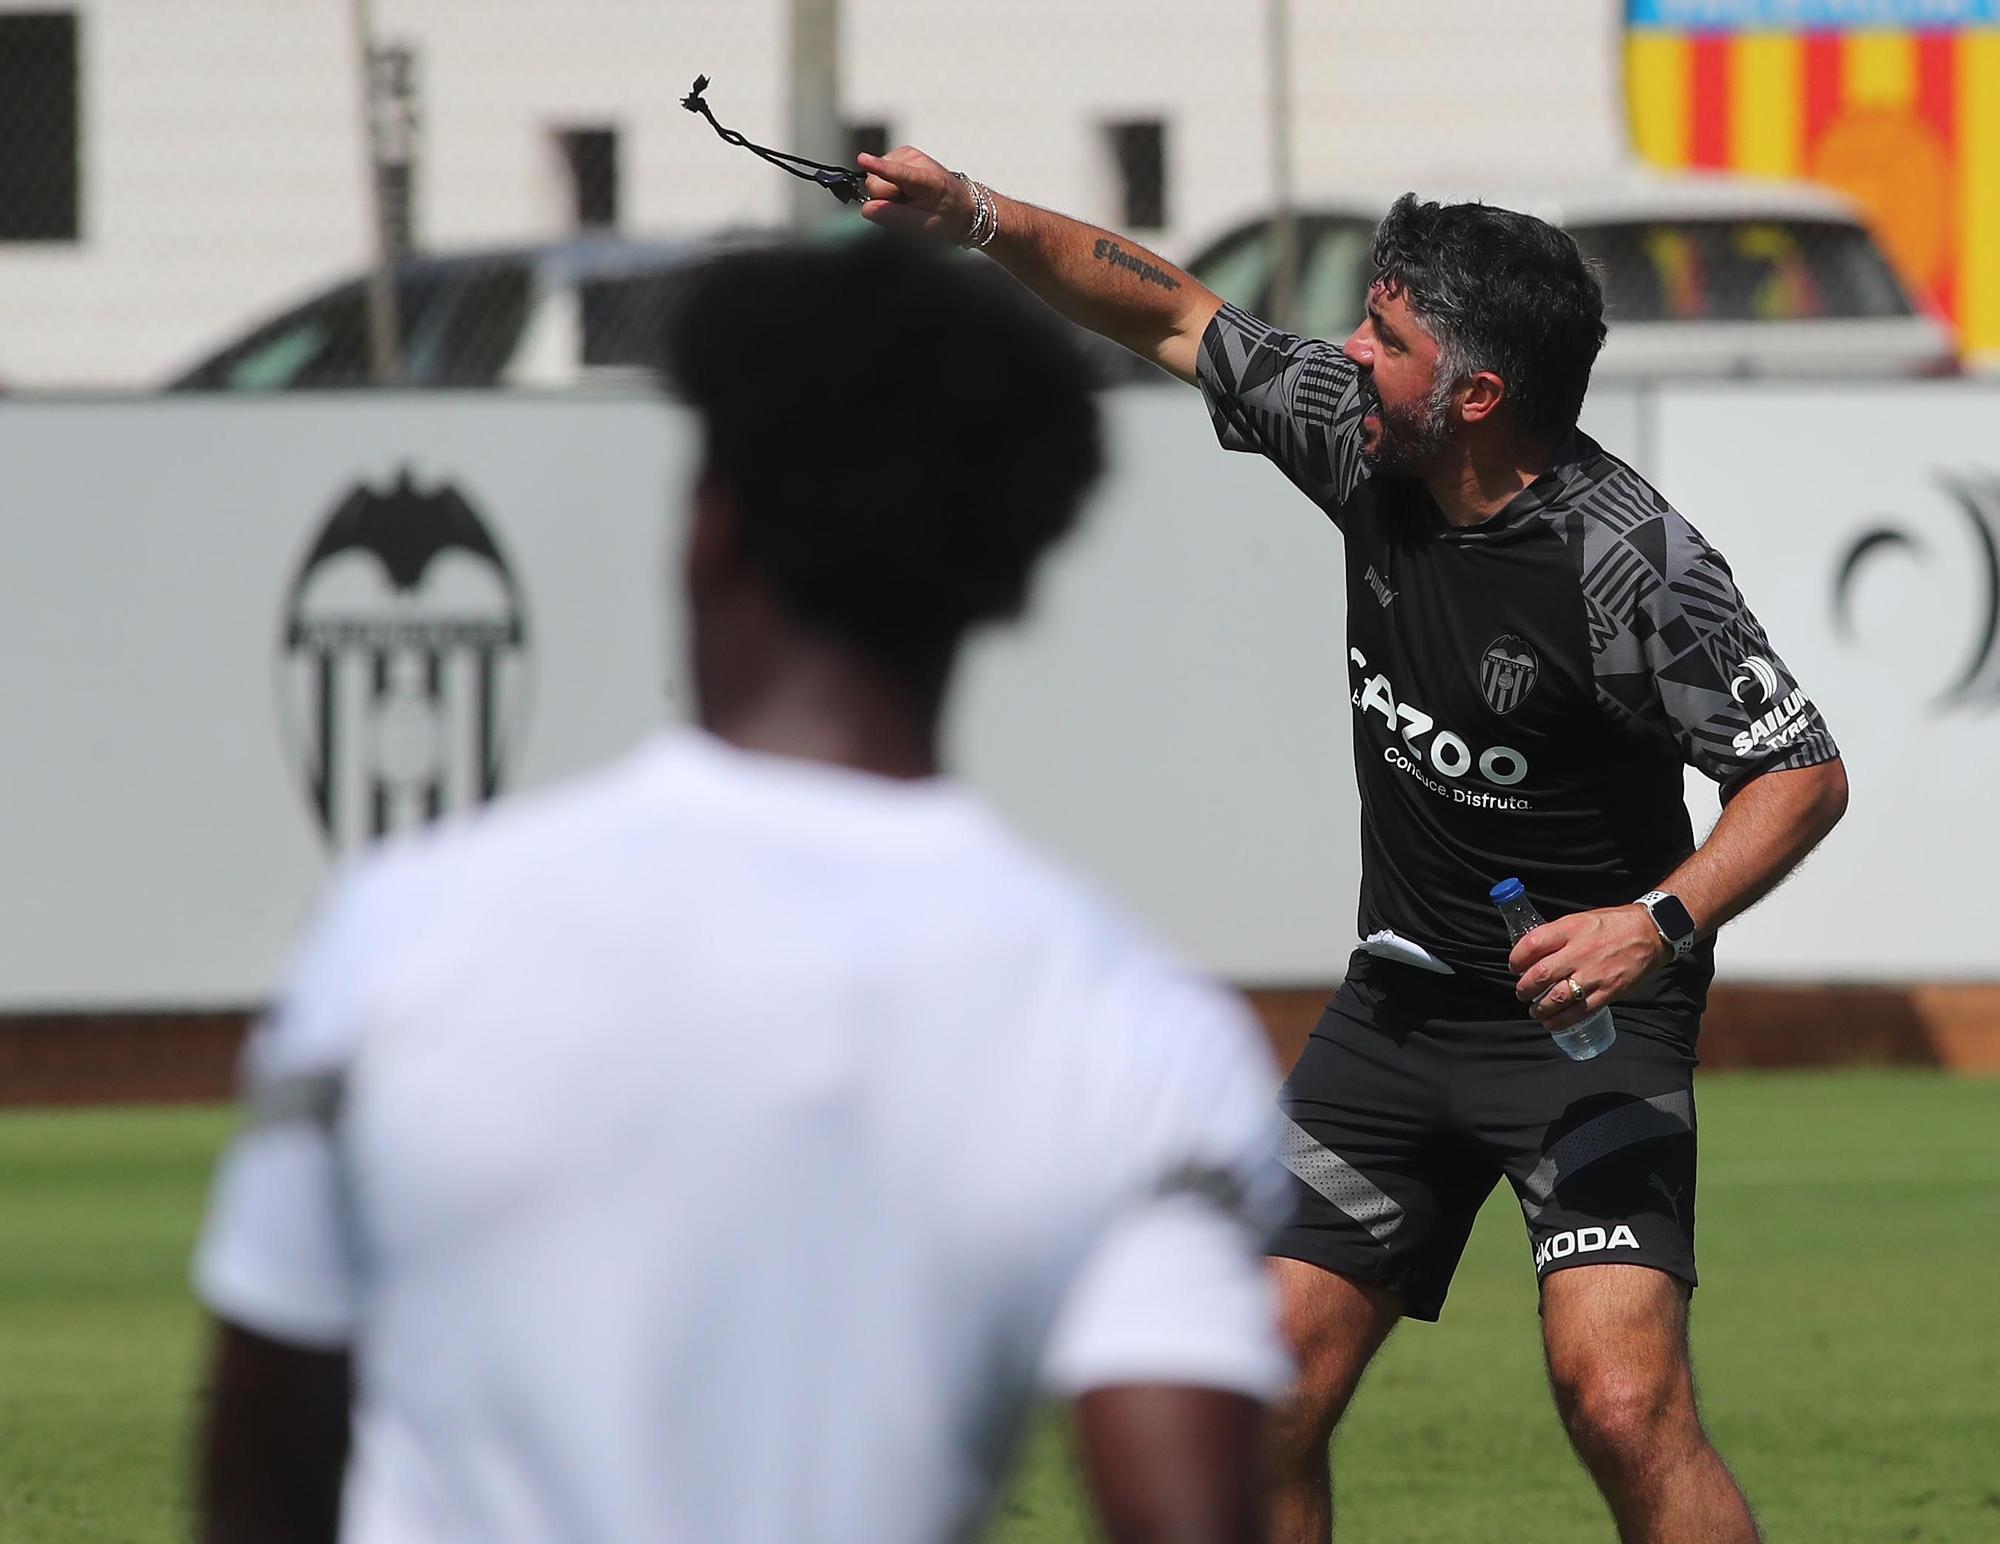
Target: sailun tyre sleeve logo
(1755, 681)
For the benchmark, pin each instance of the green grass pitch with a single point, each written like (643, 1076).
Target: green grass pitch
(1847, 1335)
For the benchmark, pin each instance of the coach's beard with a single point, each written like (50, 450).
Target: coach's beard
(1410, 438)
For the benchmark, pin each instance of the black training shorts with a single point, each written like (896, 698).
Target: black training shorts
(1417, 1092)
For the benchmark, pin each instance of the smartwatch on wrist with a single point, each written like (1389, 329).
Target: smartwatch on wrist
(1671, 919)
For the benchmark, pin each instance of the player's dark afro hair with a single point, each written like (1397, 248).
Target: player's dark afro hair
(904, 433)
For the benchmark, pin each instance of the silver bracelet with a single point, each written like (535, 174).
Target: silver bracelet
(978, 209)
(985, 238)
(979, 212)
(985, 215)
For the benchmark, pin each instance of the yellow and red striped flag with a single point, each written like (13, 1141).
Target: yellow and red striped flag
(1894, 102)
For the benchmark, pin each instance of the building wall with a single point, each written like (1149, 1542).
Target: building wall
(222, 158)
(218, 173)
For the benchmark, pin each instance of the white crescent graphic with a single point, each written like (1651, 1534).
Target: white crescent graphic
(1758, 672)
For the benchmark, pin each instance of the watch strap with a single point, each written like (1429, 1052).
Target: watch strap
(1677, 929)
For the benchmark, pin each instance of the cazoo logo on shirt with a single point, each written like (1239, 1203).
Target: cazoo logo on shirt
(1438, 758)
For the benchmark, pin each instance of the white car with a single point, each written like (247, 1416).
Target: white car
(1703, 275)
(578, 314)
(559, 314)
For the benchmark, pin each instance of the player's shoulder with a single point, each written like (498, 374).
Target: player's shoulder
(1631, 535)
(564, 824)
(1101, 948)
(1149, 1025)
(1242, 351)
(1027, 881)
(409, 880)
(1028, 893)
(393, 903)
(367, 919)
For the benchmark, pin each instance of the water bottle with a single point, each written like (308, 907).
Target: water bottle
(1579, 1042)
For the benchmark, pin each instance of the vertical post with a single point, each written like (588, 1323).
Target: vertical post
(815, 80)
(383, 349)
(1284, 219)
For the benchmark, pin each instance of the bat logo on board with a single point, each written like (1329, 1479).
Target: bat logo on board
(402, 662)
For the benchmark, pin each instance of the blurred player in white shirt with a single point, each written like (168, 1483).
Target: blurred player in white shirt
(730, 1146)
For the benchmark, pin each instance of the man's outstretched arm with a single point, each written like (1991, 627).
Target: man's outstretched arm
(1094, 277)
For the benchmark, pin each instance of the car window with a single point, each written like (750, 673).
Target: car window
(1333, 278)
(326, 337)
(1741, 271)
(466, 327)
(1332, 273)
(1238, 267)
(622, 317)
(455, 328)
(276, 361)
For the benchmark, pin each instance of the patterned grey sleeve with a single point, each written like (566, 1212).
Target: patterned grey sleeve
(1675, 647)
(1293, 399)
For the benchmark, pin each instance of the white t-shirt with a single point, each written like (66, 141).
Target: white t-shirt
(727, 1148)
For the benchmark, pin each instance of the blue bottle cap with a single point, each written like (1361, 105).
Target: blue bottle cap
(1507, 890)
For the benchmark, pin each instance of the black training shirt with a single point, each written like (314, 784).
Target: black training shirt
(1525, 691)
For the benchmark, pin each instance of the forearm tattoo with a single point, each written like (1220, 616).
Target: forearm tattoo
(1110, 252)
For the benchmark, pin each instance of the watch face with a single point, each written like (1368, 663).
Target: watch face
(1672, 919)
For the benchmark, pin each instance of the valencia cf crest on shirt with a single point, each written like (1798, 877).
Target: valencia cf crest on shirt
(1507, 672)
